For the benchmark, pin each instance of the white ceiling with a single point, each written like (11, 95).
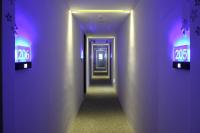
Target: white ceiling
(101, 23)
(106, 23)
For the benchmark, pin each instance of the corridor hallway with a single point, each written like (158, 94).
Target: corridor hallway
(101, 112)
(53, 49)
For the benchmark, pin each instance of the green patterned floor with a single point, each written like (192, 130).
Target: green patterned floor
(101, 113)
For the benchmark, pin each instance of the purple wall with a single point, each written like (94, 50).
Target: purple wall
(137, 74)
(8, 68)
(195, 79)
(158, 98)
(44, 98)
(173, 84)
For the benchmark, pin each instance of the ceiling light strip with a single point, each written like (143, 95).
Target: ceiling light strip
(100, 11)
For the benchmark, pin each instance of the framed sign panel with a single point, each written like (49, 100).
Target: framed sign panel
(181, 53)
(22, 54)
(180, 39)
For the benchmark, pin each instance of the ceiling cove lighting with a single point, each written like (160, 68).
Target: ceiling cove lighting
(100, 11)
(100, 37)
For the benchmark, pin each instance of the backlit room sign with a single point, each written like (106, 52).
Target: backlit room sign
(181, 53)
(22, 54)
(179, 38)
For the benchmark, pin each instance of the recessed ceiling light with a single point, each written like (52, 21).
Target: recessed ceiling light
(100, 19)
(100, 16)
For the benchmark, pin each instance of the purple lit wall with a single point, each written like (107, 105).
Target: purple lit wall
(156, 97)
(43, 94)
(8, 69)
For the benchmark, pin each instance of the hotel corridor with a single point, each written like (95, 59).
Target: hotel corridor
(100, 66)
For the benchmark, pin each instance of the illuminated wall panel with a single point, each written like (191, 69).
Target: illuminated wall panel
(22, 54)
(181, 47)
(23, 40)
(22, 50)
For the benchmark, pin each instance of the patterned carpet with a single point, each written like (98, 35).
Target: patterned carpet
(100, 113)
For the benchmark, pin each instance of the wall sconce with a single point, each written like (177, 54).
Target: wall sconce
(82, 56)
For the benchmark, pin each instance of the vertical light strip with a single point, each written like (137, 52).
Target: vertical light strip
(132, 28)
(131, 66)
(70, 49)
(70, 39)
(114, 63)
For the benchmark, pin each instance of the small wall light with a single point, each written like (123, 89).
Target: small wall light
(82, 55)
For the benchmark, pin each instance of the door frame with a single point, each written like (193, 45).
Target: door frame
(84, 64)
(1, 73)
(92, 36)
